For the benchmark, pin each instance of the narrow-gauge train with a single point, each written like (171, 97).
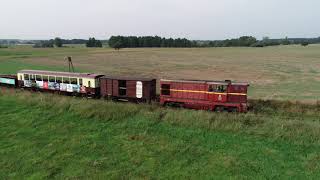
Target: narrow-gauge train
(195, 94)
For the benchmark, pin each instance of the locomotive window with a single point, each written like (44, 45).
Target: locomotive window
(66, 80)
(74, 80)
(89, 84)
(212, 88)
(26, 76)
(32, 78)
(165, 89)
(80, 82)
(59, 80)
(45, 78)
(52, 79)
(217, 88)
(38, 78)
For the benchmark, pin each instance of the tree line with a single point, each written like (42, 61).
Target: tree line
(58, 42)
(118, 42)
(249, 41)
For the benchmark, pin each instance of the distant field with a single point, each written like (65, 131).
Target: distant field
(46, 136)
(281, 72)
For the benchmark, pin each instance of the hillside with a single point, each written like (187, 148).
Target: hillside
(48, 136)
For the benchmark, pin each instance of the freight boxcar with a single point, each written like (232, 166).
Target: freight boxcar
(206, 95)
(128, 88)
(65, 82)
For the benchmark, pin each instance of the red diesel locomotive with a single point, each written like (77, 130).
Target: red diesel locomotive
(195, 94)
(205, 95)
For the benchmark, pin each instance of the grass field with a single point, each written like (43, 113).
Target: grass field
(280, 72)
(45, 136)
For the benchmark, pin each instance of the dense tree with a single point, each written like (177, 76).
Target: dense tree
(147, 41)
(58, 42)
(117, 45)
(92, 42)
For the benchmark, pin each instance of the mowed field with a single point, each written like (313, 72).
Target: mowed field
(280, 72)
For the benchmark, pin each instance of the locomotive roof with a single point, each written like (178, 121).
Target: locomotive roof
(208, 82)
(128, 78)
(56, 73)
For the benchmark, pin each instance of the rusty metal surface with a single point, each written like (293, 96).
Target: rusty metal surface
(113, 87)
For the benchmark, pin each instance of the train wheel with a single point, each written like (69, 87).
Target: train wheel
(219, 109)
(233, 109)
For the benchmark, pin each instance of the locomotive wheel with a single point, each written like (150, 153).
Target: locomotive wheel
(233, 109)
(219, 109)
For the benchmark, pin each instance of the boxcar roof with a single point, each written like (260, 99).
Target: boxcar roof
(55, 73)
(204, 81)
(128, 78)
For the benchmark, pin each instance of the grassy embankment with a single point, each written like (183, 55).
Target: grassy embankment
(45, 136)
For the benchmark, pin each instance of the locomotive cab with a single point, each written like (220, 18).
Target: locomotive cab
(218, 91)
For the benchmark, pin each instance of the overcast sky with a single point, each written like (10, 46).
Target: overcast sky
(193, 19)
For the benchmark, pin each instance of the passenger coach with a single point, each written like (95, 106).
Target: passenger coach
(8, 80)
(70, 83)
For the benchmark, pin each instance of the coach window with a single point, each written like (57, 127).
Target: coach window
(73, 80)
(59, 80)
(80, 82)
(165, 89)
(66, 80)
(38, 78)
(32, 77)
(26, 77)
(45, 78)
(51, 79)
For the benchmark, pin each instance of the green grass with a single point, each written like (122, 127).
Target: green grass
(12, 66)
(47, 136)
(12, 59)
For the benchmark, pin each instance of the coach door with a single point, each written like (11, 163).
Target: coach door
(217, 92)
